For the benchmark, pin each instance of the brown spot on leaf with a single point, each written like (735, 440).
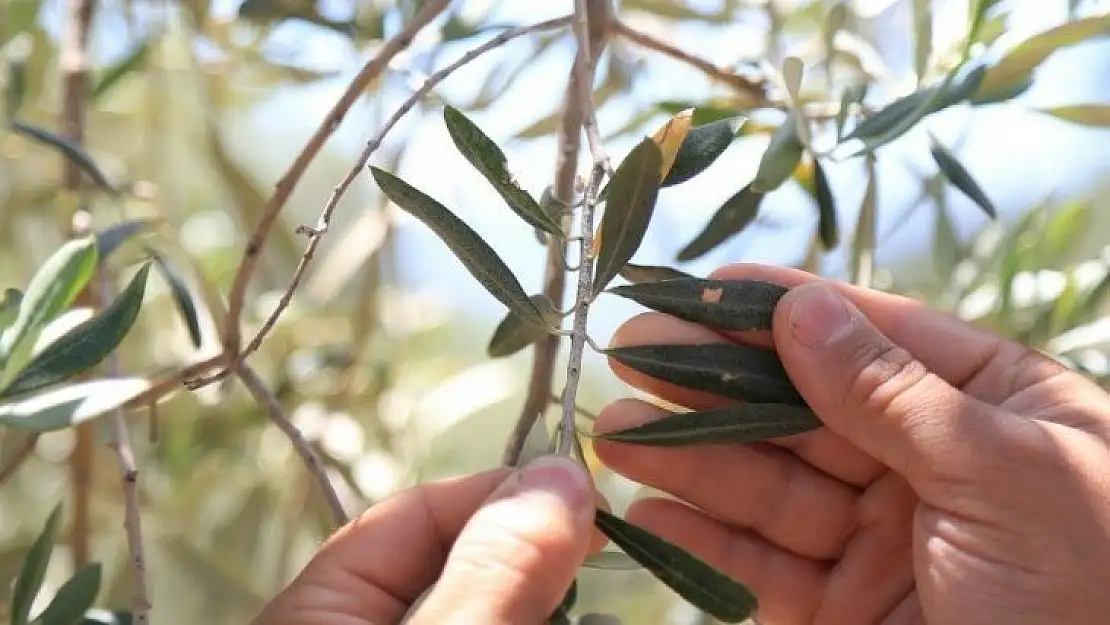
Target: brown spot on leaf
(712, 296)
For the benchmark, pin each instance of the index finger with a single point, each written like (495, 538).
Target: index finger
(949, 347)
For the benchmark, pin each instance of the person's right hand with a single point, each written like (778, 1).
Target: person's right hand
(960, 478)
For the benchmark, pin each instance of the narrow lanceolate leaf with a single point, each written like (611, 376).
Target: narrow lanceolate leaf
(73, 599)
(485, 156)
(1097, 115)
(9, 309)
(181, 296)
(743, 423)
(611, 561)
(33, 571)
(670, 138)
(75, 153)
(725, 369)
(117, 72)
(852, 96)
(110, 239)
(514, 333)
(733, 216)
(650, 273)
(53, 288)
(959, 177)
(828, 228)
(474, 253)
(724, 304)
(863, 239)
(86, 345)
(1016, 68)
(70, 404)
(703, 586)
(703, 145)
(781, 158)
(632, 194)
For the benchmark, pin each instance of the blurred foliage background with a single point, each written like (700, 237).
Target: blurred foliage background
(196, 107)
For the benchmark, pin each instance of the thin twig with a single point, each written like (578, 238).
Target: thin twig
(752, 88)
(19, 457)
(316, 233)
(284, 188)
(589, 203)
(555, 277)
(311, 459)
(120, 442)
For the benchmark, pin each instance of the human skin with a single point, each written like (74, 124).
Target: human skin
(959, 478)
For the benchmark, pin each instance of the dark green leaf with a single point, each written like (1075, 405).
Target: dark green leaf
(73, 599)
(474, 253)
(828, 228)
(70, 404)
(120, 70)
(597, 618)
(72, 151)
(632, 194)
(562, 612)
(110, 239)
(885, 118)
(485, 156)
(959, 177)
(611, 561)
(33, 571)
(781, 158)
(725, 369)
(86, 345)
(9, 310)
(1015, 70)
(702, 146)
(733, 216)
(695, 581)
(53, 288)
(650, 273)
(742, 423)
(514, 334)
(724, 304)
(181, 296)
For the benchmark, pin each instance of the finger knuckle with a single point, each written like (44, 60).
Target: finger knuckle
(886, 373)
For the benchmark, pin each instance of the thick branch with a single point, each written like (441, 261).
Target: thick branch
(288, 182)
(311, 459)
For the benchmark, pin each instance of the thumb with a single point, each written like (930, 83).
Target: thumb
(517, 556)
(875, 393)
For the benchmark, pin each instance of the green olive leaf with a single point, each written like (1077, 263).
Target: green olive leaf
(474, 253)
(781, 157)
(86, 345)
(632, 194)
(33, 571)
(828, 228)
(1014, 71)
(182, 297)
(1096, 115)
(863, 239)
(486, 157)
(514, 333)
(726, 369)
(742, 423)
(703, 586)
(70, 404)
(729, 220)
(74, 598)
(724, 304)
(701, 148)
(852, 95)
(112, 238)
(120, 70)
(75, 153)
(650, 273)
(960, 178)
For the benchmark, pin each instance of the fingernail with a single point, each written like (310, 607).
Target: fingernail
(819, 316)
(558, 476)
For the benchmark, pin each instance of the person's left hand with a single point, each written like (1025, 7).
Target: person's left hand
(501, 547)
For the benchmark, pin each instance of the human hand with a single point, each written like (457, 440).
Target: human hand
(960, 478)
(501, 547)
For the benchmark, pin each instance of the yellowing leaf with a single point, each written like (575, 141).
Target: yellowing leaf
(669, 139)
(1097, 115)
